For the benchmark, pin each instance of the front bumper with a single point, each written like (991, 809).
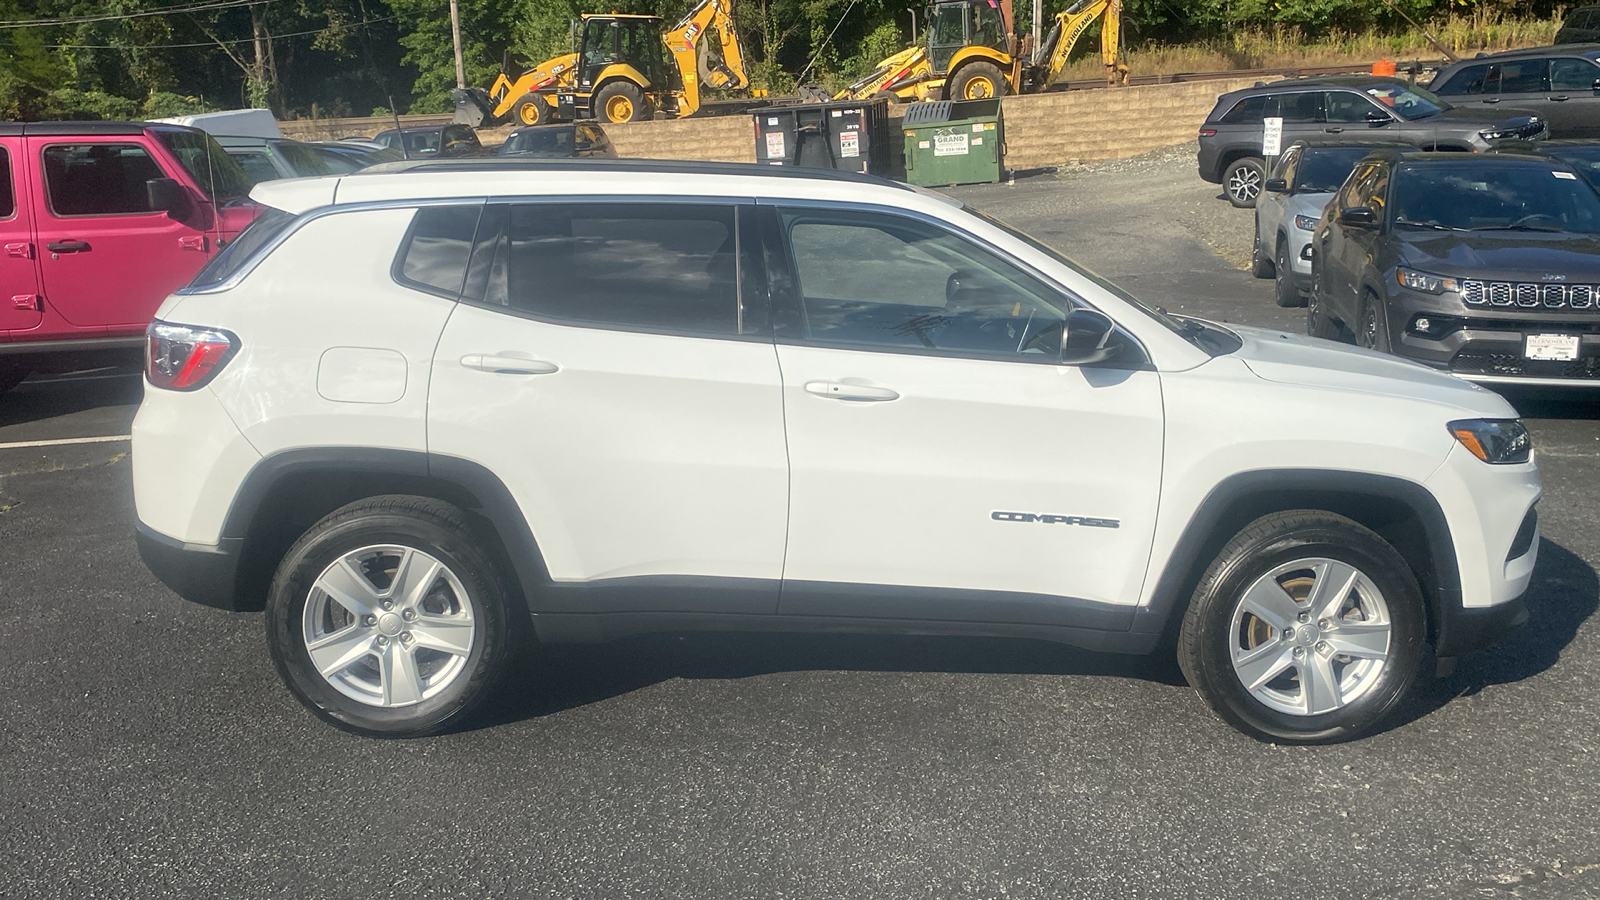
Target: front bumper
(1464, 631)
(1490, 346)
(202, 573)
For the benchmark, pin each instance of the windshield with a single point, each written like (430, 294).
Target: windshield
(1407, 102)
(1214, 341)
(1487, 197)
(203, 158)
(1323, 171)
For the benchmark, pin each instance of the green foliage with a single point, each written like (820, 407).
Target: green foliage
(165, 105)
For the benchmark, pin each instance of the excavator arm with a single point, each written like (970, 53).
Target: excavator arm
(1070, 25)
(705, 46)
(907, 65)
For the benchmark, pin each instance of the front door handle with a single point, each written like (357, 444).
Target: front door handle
(1558, 99)
(839, 390)
(508, 365)
(67, 246)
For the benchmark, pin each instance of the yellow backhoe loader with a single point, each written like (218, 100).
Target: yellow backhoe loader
(970, 52)
(623, 68)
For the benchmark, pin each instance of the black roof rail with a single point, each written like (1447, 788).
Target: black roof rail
(638, 166)
(58, 129)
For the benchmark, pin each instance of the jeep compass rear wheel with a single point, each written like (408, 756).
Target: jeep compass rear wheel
(1307, 628)
(386, 620)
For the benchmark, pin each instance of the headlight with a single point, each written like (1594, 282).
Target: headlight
(1306, 223)
(1497, 441)
(1422, 281)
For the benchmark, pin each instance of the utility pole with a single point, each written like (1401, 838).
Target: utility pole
(1038, 25)
(455, 35)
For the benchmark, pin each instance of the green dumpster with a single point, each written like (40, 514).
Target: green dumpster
(954, 142)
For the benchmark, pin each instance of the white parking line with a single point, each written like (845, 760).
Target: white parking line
(61, 442)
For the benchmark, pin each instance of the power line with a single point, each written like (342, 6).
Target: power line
(214, 43)
(201, 6)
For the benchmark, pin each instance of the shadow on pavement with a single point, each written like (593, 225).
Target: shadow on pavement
(48, 396)
(1553, 403)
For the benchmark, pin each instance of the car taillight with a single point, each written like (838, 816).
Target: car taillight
(185, 357)
(1208, 132)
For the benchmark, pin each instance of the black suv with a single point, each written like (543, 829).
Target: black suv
(1487, 265)
(1582, 155)
(1357, 108)
(1556, 83)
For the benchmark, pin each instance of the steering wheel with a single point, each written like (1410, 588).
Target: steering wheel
(1536, 218)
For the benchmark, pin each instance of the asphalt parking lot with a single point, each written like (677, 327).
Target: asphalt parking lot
(149, 749)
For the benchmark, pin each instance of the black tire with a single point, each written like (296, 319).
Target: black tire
(11, 376)
(611, 101)
(1283, 289)
(891, 97)
(1317, 322)
(1260, 266)
(1242, 179)
(1280, 541)
(977, 81)
(530, 110)
(1372, 327)
(398, 522)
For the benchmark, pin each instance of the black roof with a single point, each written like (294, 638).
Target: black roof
(1329, 144)
(557, 126)
(1448, 158)
(68, 129)
(408, 129)
(650, 166)
(1589, 50)
(1293, 84)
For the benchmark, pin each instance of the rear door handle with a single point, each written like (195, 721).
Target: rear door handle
(1557, 99)
(1334, 130)
(67, 246)
(839, 390)
(20, 250)
(508, 365)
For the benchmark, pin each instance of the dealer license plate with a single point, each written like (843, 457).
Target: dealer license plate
(1551, 346)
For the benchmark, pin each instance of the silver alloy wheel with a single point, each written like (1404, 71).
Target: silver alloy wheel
(388, 625)
(1310, 636)
(1244, 183)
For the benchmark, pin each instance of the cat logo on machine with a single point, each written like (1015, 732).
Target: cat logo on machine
(1051, 519)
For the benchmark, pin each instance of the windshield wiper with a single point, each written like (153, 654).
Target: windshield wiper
(1434, 226)
(1519, 228)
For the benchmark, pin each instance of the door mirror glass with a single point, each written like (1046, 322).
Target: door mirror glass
(1090, 338)
(1358, 217)
(167, 194)
(1375, 118)
(1277, 185)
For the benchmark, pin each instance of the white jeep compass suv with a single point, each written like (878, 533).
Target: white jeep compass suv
(424, 412)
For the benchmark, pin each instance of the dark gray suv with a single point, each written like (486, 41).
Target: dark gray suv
(1357, 108)
(1556, 83)
(1486, 265)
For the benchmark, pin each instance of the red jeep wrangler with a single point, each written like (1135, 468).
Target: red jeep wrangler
(99, 222)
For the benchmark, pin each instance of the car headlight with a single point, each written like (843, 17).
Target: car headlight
(1496, 441)
(1422, 281)
(1307, 223)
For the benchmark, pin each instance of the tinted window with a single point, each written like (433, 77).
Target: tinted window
(1407, 102)
(1353, 186)
(1344, 106)
(1533, 197)
(1287, 164)
(1572, 74)
(256, 235)
(1302, 107)
(257, 166)
(542, 142)
(98, 179)
(1322, 171)
(888, 282)
(1247, 111)
(434, 255)
(1523, 77)
(666, 267)
(1467, 81)
(8, 195)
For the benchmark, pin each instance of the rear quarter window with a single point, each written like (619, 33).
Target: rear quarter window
(257, 235)
(434, 255)
(1249, 111)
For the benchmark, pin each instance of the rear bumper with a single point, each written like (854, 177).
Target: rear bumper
(201, 573)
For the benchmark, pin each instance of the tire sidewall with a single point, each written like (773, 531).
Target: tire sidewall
(1407, 642)
(1252, 164)
(327, 542)
(1283, 280)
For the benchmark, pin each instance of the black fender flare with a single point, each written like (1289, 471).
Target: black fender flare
(1184, 566)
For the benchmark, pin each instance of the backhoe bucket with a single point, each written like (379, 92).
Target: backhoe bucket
(473, 106)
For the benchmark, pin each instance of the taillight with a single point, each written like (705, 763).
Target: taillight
(1208, 132)
(185, 357)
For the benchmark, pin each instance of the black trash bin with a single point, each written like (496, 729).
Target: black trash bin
(850, 135)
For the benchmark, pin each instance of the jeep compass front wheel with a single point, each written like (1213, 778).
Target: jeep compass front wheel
(1307, 628)
(386, 620)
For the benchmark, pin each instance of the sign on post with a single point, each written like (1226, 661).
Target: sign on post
(1272, 137)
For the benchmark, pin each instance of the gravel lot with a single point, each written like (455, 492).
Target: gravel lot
(150, 751)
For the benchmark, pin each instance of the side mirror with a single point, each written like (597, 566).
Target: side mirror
(168, 195)
(1596, 86)
(1089, 338)
(1375, 118)
(1277, 185)
(1359, 217)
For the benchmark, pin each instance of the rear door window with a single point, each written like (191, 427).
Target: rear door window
(1305, 106)
(98, 179)
(669, 268)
